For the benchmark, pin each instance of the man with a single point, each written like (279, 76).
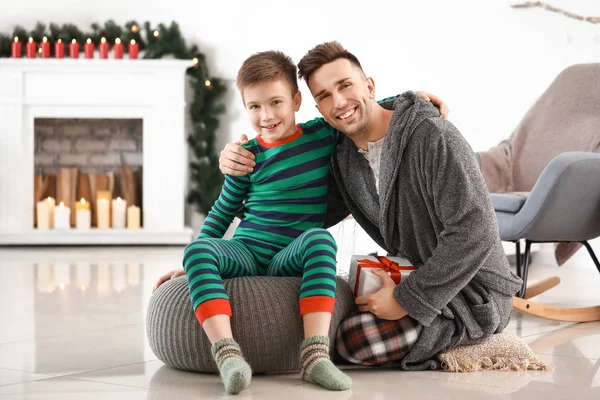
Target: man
(412, 182)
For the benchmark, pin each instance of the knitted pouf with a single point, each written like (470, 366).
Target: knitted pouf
(266, 323)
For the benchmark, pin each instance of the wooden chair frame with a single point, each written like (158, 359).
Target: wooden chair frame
(522, 303)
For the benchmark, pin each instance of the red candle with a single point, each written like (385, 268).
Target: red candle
(74, 49)
(16, 49)
(45, 48)
(88, 49)
(133, 49)
(118, 48)
(103, 47)
(31, 48)
(59, 49)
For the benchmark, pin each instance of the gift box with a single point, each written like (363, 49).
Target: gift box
(363, 281)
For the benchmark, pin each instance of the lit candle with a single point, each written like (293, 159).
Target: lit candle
(62, 217)
(133, 217)
(103, 47)
(84, 215)
(102, 213)
(45, 213)
(16, 49)
(133, 49)
(118, 48)
(59, 49)
(88, 49)
(45, 47)
(119, 208)
(74, 49)
(31, 48)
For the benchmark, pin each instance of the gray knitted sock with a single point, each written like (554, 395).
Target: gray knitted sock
(318, 368)
(235, 371)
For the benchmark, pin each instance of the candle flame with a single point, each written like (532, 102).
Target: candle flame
(82, 200)
(40, 50)
(119, 199)
(156, 33)
(132, 41)
(134, 28)
(61, 205)
(30, 40)
(89, 41)
(74, 41)
(62, 286)
(118, 41)
(49, 198)
(207, 83)
(83, 288)
(103, 40)
(195, 60)
(59, 40)
(16, 39)
(45, 39)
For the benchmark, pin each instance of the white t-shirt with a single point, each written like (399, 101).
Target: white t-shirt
(373, 156)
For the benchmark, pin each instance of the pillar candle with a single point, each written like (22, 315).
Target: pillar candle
(62, 217)
(31, 48)
(103, 213)
(88, 49)
(45, 214)
(103, 48)
(133, 217)
(74, 49)
(16, 49)
(84, 215)
(118, 49)
(133, 49)
(45, 47)
(119, 207)
(59, 49)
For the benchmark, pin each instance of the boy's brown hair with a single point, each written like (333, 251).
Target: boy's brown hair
(324, 54)
(267, 66)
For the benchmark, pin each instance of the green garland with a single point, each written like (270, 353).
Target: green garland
(157, 43)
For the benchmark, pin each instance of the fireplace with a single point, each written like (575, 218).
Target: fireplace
(147, 94)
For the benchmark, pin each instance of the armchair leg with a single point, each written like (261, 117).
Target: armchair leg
(526, 261)
(592, 254)
(518, 257)
(522, 303)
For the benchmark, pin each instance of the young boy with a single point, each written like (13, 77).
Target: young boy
(282, 233)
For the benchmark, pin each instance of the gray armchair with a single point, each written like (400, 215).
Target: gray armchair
(545, 180)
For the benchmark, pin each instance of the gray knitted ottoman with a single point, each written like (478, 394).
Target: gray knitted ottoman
(266, 323)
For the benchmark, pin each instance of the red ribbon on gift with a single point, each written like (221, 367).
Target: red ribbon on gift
(392, 267)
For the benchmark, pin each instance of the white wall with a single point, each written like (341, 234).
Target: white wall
(487, 60)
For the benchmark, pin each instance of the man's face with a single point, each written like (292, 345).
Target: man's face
(343, 95)
(271, 108)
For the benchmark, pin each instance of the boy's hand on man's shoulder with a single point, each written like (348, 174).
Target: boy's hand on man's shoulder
(436, 101)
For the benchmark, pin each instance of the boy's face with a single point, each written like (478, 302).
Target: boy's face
(271, 108)
(343, 95)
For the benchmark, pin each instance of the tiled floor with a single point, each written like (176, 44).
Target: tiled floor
(72, 327)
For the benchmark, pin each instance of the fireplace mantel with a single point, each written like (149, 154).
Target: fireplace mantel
(152, 90)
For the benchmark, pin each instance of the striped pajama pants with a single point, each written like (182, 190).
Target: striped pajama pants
(312, 256)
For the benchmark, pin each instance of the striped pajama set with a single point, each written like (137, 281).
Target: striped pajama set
(282, 232)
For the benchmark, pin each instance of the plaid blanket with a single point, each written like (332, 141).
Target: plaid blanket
(364, 339)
